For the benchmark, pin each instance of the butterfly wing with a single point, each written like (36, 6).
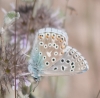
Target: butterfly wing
(52, 44)
(49, 46)
(71, 63)
(35, 61)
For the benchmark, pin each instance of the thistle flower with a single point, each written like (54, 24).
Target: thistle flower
(28, 25)
(7, 72)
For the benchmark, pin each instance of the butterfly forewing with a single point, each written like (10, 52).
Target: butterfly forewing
(52, 45)
(72, 62)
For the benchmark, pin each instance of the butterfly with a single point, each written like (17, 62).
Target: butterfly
(51, 55)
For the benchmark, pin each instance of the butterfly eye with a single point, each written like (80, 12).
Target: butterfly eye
(41, 43)
(68, 61)
(62, 60)
(53, 59)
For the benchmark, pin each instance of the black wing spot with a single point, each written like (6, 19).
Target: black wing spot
(71, 70)
(73, 66)
(62, 60)
(63, 68)
(68, 61)
(40, 53)
(44, 57)
(45, 46)
(55, 68)
(47, 63)
(72, 63)
(54, 44)
(56, 47)
(53, 59)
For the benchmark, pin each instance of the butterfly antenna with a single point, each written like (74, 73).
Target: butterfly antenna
(37, 83)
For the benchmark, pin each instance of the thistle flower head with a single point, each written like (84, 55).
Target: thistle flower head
(8, 59)
(28, 25)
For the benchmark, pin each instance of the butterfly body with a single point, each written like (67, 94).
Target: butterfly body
(51, 55)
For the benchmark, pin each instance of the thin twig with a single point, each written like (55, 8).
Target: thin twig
(29, 20)
(55, 88)
(98, 94)
(37, 83)
(2, 35)
(15, 49)
(24, 74)
(34, 7)
(64, 24)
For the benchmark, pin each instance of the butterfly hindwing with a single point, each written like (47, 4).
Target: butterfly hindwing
(72, 62)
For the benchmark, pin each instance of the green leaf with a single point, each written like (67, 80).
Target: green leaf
(10, 17)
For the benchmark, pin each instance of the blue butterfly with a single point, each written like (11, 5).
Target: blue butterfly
(51, 55)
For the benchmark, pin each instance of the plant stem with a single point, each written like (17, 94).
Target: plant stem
(98, 94)
(64, 24)
(2, 42)
(55, 88)
(15, 50)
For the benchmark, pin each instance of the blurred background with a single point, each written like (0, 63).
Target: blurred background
(81, 20)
